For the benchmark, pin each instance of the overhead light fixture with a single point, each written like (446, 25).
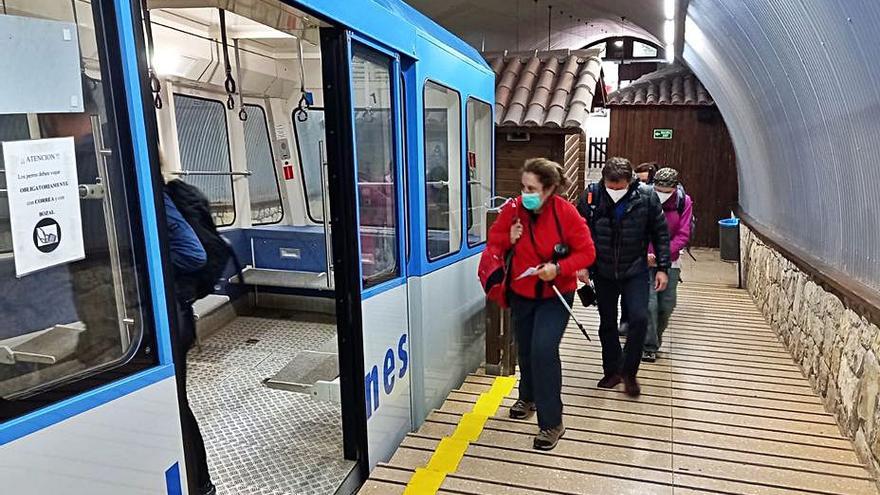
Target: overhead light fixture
(669, 32)
(166, 62)
(669, 9)
(669, 29)
(618, 43)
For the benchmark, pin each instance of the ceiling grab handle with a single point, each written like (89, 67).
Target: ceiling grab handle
(242, 113)
(229, 84)
(155, 84)
(305, 101)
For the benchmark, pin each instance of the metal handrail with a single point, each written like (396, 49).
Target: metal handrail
(102, 153)
(368, 183)
(209, 172)
(325, 208)
(490, 203)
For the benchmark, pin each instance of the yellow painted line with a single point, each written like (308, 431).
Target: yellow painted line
(469, 427)
(450, 450)
(424, 481)
(448, 454)
(487, 404)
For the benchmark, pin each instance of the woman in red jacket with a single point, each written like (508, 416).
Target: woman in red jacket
(535, 226)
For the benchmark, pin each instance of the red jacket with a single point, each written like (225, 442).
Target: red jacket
(535, 246)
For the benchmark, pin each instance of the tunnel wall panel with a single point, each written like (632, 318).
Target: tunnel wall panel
(798, 83)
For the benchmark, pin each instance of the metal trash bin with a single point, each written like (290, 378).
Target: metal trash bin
(728, 235)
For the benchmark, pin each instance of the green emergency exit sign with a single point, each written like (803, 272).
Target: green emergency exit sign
(662, 133)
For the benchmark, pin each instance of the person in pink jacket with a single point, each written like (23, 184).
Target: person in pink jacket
(678, 208)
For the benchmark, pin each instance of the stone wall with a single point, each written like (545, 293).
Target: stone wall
(836, 348)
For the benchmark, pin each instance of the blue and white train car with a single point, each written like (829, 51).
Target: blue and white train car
(346, 149)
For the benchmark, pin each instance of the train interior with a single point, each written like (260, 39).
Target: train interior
(263, 378)
(245, 125)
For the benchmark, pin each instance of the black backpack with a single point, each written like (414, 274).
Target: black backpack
(589, 202)
(195, 209)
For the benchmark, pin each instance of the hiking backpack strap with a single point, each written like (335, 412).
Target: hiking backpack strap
(680, 204)
(558, 223)
(591, 200)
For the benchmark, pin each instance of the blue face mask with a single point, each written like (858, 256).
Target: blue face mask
(531, 201)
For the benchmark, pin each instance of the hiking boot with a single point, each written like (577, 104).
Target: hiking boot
(649, 356)
(631, 386)
(522, 409)
(208, 489)
(609, 381)
(547, 439)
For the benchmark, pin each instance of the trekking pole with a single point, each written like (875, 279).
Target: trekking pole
(571, 312)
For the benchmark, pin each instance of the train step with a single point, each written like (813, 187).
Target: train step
(308, 368)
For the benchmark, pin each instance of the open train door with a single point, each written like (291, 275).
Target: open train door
(362, 98)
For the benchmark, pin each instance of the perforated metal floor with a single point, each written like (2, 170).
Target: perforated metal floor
(262, 441)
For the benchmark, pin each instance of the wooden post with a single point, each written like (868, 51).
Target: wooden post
(500, 343)
(493, 324)
(508, 345)
(500, 349)
(493, 339)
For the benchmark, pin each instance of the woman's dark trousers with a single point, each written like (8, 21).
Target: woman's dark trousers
(539, 325)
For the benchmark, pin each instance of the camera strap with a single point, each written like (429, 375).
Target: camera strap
(540, 284)
(558, 229)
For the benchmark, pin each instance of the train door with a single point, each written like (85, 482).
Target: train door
(264, 380)
(370, 231)
(375, 96)
(87, 396)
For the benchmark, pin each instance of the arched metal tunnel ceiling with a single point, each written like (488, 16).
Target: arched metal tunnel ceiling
(503, 24)
(798, 83)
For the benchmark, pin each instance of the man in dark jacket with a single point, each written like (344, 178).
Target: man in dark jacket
(624, 217)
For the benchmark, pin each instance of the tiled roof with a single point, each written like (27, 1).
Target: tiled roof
(674, 85)
(551, 89)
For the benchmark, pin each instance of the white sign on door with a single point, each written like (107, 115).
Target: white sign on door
(44, 211)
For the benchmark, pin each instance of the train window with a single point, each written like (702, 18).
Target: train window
(263, 182)
(309, 141)
(644, 50)
(12, 128)
(377, 181)
(204, 152)
(72, 277)
(442, 169)
(479, 160)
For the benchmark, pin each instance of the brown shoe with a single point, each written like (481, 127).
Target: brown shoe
(609, 381)
(547, 439)
(631, 386)
(522, 409)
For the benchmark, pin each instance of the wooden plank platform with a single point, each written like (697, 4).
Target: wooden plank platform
(724, 410)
